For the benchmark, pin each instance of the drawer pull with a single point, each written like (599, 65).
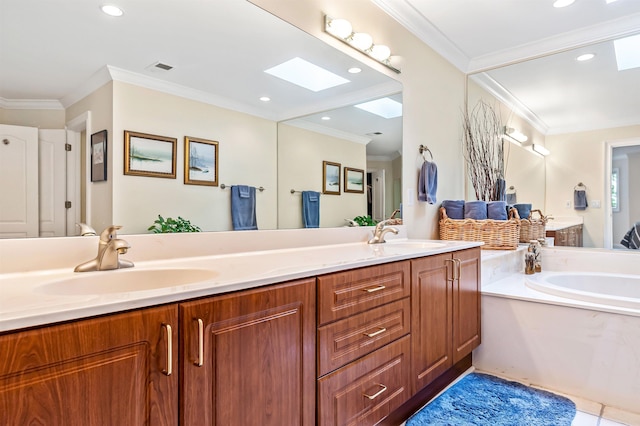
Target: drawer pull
(374, 289)
(383, 388)
(167, 371)
(200, 360)
(375, 333)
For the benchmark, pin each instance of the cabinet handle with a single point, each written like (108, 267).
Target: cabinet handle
(453, 266)
(200, 360)
(169, 369)
(375, 333)
(458, 264)
(374, 289)
(383, 388)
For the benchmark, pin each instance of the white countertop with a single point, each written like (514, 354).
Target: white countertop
(563, 222)
(25, 303)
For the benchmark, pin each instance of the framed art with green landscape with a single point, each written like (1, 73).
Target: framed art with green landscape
(149, 155)
(353, 180)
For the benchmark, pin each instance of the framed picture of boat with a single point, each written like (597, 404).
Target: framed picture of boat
(200, 161)
(149, 155)
(330, 178)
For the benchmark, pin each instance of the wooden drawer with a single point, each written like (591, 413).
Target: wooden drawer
(366, 391)
(347, 293)
(346, 340)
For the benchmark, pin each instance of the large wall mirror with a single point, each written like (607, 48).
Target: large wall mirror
(587, 115)
(196, 72)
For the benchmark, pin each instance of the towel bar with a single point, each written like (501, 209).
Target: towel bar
(223, 186)
(293, 191)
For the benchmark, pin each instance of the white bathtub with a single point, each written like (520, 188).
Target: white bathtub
(607, 289)
(573, 332)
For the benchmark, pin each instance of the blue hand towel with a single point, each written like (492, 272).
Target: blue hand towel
(512, 198)
(311, 209)
(243, 207)
(580, 199)
(523, 210)
(454, 208)
(428, 182)
(475, 210)
(497, 210)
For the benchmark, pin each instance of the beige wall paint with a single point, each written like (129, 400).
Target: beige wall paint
(247, 156)
(579, 157)
(40, 118)
(100, 104)
(433, 97)
(300, 156)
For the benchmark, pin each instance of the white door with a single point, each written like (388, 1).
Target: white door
(377, 190)
(53, 185)
(18, 181)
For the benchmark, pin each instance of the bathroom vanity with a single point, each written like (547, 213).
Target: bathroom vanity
(565, 231)
(329, 341)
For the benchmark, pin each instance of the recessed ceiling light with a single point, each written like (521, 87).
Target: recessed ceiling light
(325, 118)
(563, 3)
(307, 75)
(354, 70)
(265, 99)
(384, 107)
(112, 10)
(585, 57)
(627, 52)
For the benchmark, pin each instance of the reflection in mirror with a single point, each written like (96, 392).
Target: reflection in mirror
(577, 110)
(117, 80)
(353, 137)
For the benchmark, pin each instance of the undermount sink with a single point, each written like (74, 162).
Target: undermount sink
(125, 281)
(416, 244)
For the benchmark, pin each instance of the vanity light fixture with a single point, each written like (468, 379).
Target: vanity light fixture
(540, 150)
(363, 42)
(112, 10)
(515, 135)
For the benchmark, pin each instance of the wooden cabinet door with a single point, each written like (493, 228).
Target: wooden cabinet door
(431, 303)
(248, 358)
(110, 370)
(466, 304)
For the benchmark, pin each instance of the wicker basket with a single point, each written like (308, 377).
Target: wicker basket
(532, 228)
(496, 234)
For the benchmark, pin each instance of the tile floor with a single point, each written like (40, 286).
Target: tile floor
(589, 413)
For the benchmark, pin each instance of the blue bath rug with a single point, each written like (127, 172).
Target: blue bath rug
(480, 399)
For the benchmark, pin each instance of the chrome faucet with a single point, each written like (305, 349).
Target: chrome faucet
(380, 230)
(109, 247)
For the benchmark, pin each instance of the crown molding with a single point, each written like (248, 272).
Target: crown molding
(49, 104)
(504, 96)
(389, 157)
(411, 19)
(318, 128)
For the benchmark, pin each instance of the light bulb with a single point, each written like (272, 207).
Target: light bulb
(340, 28)
(380, 52)
(361, 41)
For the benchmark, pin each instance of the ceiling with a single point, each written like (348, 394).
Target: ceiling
(555, 93)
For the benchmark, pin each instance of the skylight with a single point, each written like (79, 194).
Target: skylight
(384, 107)
(307, 75)
(628, 52)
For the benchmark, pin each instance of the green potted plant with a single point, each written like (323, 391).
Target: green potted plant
(169, 225)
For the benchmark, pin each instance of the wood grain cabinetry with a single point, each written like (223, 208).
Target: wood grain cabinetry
(363, 344)
(114, 370)
(567, 237)
(249, 357)
(445, 310)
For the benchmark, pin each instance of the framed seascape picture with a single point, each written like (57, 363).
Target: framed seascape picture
(200, 161)
(330, 178)
(149, 155)
(353, 180)
(99, 156)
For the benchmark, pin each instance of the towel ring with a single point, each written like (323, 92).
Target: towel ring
(422, 149)
(580, 185)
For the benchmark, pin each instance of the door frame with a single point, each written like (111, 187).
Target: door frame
(79, 124)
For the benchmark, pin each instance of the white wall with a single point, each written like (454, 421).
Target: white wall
(300, 156)
(620, 219)
(247, 156)
(633, 189)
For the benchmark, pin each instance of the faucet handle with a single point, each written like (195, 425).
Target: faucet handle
(109, 233)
